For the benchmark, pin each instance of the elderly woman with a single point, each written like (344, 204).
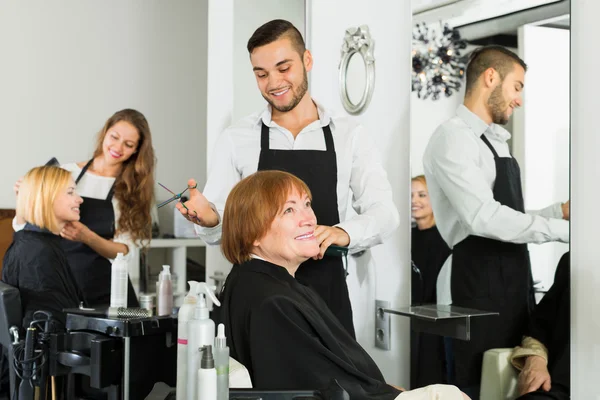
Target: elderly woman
(282, 331)
(35, 262)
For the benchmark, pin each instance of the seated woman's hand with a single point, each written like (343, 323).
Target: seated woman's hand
(534, 375)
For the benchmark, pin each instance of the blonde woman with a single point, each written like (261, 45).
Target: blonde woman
(117, 185)
(35, 262)
(428, 252)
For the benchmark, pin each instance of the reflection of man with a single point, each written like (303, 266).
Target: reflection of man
(475, 191)
(333, 155)
(543, 356)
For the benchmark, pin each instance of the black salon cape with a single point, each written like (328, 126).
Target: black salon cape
(550, 324)
(287, 338)
(427, 358)
(36, 264)
(428, 252)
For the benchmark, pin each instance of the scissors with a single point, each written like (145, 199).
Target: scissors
(176, 196)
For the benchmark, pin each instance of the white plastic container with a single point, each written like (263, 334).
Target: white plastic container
(201, 333)
(221, 355)
(118, 282)
(186, 312)
(164, 292)
(207, 376)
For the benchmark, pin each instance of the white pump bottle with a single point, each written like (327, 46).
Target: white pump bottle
(186, 312)
(201, 332)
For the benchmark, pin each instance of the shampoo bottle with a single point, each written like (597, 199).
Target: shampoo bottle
(186, 312)
(118, 282)
(164, 292)
(201, 333)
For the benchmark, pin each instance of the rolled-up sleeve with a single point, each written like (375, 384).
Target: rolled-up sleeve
(223, 175)
(377, 216)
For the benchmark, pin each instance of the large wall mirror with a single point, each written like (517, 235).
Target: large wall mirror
(539, 33)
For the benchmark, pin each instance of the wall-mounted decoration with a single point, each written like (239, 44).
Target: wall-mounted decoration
(357, 41)
(437, 64)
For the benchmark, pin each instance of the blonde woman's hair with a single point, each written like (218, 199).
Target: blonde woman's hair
(420, 178)
(35, 202)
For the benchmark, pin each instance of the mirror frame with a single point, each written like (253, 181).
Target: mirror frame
(357, 41)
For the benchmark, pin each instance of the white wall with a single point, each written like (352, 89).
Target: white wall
(67, 65)
(585, 175)
(387, 119)
(542, 132)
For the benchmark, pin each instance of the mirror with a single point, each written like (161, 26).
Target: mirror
(356, 87)
(357, 48)
(539, 130)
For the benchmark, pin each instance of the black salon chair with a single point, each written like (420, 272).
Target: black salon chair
(10, 317)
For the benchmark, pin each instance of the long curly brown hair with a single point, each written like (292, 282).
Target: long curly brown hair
(134, 186)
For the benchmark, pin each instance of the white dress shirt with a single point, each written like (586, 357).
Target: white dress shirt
(96, 187)
(359, 168)
(461, 172)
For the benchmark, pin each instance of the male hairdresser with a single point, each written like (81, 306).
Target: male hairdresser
(475, 189)
(334, 155)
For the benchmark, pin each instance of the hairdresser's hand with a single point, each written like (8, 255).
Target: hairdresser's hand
(328, 235)
(77, 232)
(17, 186)
(566, 210)
(534, 375)
(198, 208)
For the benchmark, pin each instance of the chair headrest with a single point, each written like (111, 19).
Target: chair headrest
(10, 312)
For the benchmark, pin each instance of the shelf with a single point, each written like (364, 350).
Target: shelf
(441, 320)
(176, 242)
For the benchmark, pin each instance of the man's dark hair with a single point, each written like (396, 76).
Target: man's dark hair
(497, 57)
(275, 30)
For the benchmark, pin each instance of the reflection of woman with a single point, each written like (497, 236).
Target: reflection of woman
(428, 252)
(117, 185)
(281, 330)
(35, 263)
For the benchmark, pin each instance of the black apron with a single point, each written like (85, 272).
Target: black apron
(318, 169)
(91, 270)
(491, 275)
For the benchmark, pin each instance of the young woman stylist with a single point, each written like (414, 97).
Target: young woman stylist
(117, 187)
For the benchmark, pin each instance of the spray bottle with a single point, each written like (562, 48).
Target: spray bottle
(221, 355)
(118, 282)
(207, 376)
(164, 292)
(201, 332)
(186, 312)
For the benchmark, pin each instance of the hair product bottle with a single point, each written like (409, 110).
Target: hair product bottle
(164, 292)
(186, 312)
(222, 363)
(118, 282)
(207, 376)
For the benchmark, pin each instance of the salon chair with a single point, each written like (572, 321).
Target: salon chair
(10, 316)
(498, 376)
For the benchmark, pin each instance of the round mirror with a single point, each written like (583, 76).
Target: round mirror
(357, 70)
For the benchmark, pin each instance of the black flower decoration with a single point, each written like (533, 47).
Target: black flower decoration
(437, 64)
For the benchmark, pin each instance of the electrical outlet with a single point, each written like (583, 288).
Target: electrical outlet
(382, 325)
